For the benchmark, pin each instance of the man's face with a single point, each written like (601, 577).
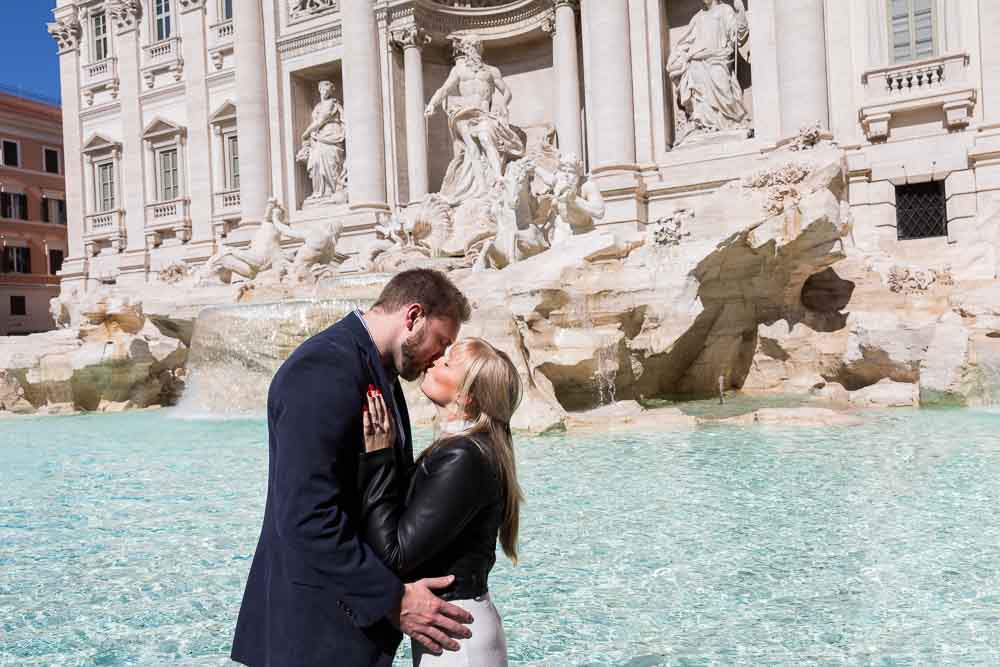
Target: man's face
(430, 338)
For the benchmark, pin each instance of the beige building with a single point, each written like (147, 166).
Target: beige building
(32, 212)
(183, 117)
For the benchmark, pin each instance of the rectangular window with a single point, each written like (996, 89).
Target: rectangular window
(13, 206)
(162, 17)
(921, 211)
(11, 154)
(100, 22)
(106, 186)
(232, 162)
(16, 260)
(18, 305)
(55, 261)
(51, 160)
(60, 212)
(227, 10)
(46, 209)
(911, 25)
(169, 183)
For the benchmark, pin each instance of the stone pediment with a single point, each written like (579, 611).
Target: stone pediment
(224, 114)
(160, 129)
(98, 143)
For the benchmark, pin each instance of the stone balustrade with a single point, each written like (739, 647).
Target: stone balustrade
(103, 227)
(167, 214)
(227, 203)
(940, 82)
(100, 71)
(164, 50)
(223, 31)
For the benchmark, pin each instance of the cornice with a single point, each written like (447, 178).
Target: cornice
(313, 40)
(492, 22)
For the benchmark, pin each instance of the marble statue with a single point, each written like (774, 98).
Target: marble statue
(263, 253)
(518, 237)
(400, 242)
(702, 68)
(576, 201)
(297, 8)
(323, 149)
(483, 139)
(317, 256)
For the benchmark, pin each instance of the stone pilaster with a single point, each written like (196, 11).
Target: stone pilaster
(412, 41)
(131, 186)
(366, 182)
(66, 31)
(197, 170)
(566, 66)
(801, 48)
(251, 109)
(610, 100)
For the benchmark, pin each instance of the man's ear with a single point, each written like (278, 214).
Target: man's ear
(413, 312)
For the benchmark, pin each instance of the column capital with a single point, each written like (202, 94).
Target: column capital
(572, 4)
(125, 14)
(191, 5)
(410, 37)
(548, 24)
(66, 31)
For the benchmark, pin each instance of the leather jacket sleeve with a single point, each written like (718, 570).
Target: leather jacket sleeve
(448, 492)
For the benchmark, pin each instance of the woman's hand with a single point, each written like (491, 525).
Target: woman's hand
(379, 430)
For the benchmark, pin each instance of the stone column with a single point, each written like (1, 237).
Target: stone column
(412, 40)
(801, 47)
(67, 31)
(566, 69)
(251, 109)
(610, 101)
(130, 188)
(197, 171)
(363, 106)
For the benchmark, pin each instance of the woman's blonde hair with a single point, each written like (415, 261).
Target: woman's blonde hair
(489, 394)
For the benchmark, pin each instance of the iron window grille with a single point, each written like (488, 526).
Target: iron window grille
(921, 211)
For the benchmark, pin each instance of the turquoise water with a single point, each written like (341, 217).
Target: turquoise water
(125, 540)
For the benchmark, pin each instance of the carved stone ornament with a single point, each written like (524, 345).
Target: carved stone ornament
(67, 33)
(191, 5)
(410, 37)
(300, 9)
(548, 24)
(125, 13)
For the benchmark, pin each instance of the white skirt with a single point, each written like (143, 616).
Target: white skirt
(487, 647)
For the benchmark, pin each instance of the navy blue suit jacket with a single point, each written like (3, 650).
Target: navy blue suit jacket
(317, 594)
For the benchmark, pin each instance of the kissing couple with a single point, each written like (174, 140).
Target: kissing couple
(360, 544)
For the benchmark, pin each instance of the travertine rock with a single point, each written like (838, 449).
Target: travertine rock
(886, 394)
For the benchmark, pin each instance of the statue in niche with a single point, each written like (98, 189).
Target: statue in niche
(574, 202)
(323, 150)
(703, 68)
(483, 139)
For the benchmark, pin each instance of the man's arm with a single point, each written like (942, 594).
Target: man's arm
(450, 83)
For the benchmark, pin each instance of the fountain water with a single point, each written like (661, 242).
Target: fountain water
(235, 351)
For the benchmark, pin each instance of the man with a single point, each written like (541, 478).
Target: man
(317, 594)
(482, 138)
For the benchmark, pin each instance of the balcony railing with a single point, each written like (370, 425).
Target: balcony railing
(223, 31)
(167, 49)
(106, 222)
(227, 203)
(168, 214)
(940, 82)
(104, 226)
(102, 70)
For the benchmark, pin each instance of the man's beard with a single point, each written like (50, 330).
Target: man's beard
(411, 370)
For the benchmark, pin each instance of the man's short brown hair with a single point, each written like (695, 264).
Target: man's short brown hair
(435, 293)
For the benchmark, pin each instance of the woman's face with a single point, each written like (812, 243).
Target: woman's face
(443, 380)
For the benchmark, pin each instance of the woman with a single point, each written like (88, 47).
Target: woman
(463, 492)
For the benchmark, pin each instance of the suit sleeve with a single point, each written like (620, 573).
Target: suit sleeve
(316, 420)
(449, 492)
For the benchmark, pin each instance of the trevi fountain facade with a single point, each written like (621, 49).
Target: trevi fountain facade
(646, 200)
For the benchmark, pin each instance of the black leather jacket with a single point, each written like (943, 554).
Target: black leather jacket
(449, 521)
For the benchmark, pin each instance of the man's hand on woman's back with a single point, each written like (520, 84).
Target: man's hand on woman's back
(429, 619)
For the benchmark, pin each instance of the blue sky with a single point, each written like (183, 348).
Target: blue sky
(29, 56)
